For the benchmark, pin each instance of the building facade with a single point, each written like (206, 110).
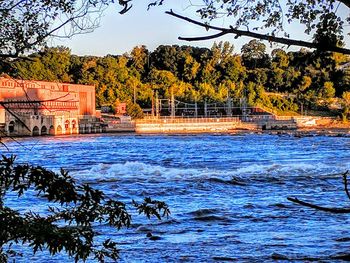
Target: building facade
(29, 107)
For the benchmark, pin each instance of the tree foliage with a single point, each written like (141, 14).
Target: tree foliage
(27, 25)
(68, 225)
(302, 79)
(268, 20)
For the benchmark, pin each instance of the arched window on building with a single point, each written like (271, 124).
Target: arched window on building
(11, 127)
(35, 131)
(59, 129)
(52, 130)
(43, 130)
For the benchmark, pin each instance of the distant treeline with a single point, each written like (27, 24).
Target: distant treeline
(281, 81)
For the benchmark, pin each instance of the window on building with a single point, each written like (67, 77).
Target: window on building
(66, 124)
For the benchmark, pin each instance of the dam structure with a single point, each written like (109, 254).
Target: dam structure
(213, 125)
(174, 116)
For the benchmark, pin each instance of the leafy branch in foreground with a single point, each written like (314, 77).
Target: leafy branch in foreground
(221, 31)
(68, 226)
(326, 209)
(325, 22)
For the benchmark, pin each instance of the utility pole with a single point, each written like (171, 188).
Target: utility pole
(152, 110)
(229, 106)
(243, 102)
(195, 109)
(172, 101)
(157, 105)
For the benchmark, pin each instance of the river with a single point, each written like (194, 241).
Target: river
(227, 193)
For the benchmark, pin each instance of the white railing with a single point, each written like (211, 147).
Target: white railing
(188, 120)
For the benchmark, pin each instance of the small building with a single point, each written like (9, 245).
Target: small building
(30, 107)
(120, 108)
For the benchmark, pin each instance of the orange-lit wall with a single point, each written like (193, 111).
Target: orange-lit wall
(57, 98)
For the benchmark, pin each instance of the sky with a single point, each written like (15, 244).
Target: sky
(118, 34)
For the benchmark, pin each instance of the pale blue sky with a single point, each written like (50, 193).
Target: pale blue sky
(120, 33)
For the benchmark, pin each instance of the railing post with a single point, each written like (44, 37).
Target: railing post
(196, 110)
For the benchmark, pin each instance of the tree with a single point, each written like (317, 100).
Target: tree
(163, 81)
(328, 90)
(276, 79)
(279, 58)
(254, 55)
(51, 64)
(140, 59)
(134, 110)
(346, 105)
(27, 25)
(268, 20)
(191, 68)
(67, 226)
(166, 58)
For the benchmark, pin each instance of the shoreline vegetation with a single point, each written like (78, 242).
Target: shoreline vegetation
(298, 88)
(280, 82)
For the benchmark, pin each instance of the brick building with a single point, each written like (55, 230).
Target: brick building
(39, 108)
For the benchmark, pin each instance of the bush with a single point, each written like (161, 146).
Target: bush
(134, 111)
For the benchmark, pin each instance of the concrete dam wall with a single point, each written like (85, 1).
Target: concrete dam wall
(192, 125)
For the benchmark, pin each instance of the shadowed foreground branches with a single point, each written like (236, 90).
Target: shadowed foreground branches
(335, 210)
(68, 225)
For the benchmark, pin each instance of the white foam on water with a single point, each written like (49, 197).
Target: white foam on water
(276, 169)
(139, 171)
(288, 171)
(135, 171)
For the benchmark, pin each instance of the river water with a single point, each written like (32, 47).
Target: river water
(227, 193)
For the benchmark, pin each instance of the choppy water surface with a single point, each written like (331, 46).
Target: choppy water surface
(227, 194)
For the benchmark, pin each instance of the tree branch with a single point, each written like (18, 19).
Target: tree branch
(12, 7)
(345, 2)
(84, 17)
(204, 37)
(14, 115)
(238, 33)
(326, 209)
